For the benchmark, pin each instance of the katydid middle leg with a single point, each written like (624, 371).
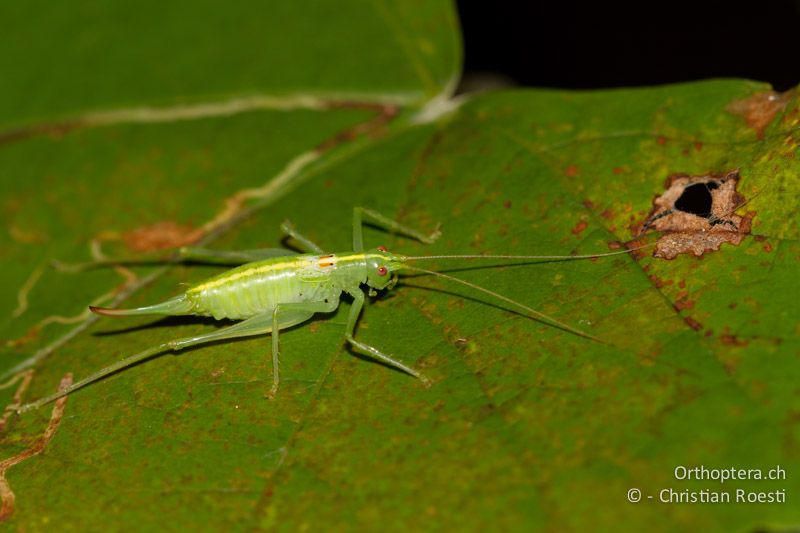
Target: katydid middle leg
(371, 351)
(231, 257)
(360, 214)
(181, 255)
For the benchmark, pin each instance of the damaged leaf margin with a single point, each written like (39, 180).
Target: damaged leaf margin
(696, 214)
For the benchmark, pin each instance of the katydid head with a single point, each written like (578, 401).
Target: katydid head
(382, 266)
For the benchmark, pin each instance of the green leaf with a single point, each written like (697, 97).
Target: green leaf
(99, 56)
(526, 426)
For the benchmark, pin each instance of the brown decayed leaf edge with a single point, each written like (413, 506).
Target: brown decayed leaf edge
(759, 110)
(6, 494)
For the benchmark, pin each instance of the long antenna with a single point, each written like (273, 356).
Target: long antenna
(563, 257)
(532, 312)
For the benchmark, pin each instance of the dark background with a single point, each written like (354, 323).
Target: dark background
(587, 45)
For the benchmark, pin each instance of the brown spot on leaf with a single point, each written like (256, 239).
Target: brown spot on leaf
(683, 303)
(759, 110)
(637, 249)
(588, 204)
(571, 171)
(160, 236)
(696, 215)
(658, 282)
(692, 323)
(374, 127)
(31, 335)
(732, 340)
(55, 131)
(579, 227)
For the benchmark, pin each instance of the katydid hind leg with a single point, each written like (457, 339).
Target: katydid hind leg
(288, 315)
(371, 351)
(256, 325)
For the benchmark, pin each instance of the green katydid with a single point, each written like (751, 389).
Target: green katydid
(274, 289)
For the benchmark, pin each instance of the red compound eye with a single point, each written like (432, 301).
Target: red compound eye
(382, 249)
(382, 271)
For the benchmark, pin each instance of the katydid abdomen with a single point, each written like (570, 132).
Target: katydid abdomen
(257, 288)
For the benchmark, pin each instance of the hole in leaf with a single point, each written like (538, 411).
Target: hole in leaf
(696, 199)
(696, 214)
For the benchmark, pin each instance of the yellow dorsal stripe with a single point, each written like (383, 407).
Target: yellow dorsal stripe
(297, 264)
